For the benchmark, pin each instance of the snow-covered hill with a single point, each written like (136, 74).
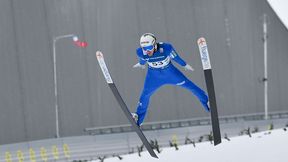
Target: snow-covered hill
(261, 147)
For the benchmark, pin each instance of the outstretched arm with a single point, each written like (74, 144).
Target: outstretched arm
(179, 60)
(141, 62)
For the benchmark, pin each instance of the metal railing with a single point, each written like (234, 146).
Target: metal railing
(184, 123)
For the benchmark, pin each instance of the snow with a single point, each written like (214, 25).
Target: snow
(261, 147)
(281, 9)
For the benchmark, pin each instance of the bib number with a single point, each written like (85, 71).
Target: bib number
(159, 64)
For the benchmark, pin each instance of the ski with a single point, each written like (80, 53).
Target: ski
(210, 88)
(122, 104)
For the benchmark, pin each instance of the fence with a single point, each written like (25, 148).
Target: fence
(117, 140)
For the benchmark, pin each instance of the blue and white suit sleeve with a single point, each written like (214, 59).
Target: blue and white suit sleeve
(140, 59)
(176, 57)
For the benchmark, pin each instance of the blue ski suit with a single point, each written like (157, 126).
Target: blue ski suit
(160, 72)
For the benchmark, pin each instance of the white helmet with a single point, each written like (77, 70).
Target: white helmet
(147, 39)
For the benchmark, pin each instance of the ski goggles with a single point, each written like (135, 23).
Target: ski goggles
(148, 48)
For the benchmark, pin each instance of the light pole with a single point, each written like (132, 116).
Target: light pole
(265, 79)
(55, 39)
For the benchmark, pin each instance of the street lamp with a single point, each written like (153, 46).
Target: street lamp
(55, 39)
(265, 79)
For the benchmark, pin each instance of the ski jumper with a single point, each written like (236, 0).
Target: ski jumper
(160, 72)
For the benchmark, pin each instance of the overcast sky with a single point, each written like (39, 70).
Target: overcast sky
(281, 8)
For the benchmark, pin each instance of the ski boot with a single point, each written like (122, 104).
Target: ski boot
(135, 117)
(206, 106)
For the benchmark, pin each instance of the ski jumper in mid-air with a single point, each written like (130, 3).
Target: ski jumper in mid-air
(161, 71)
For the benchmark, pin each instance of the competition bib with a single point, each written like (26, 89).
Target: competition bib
(159, 64)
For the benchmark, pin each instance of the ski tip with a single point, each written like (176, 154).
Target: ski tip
(99, 54)
(201, 41)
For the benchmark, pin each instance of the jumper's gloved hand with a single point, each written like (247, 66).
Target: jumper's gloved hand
(138, 65)
(188, 67)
